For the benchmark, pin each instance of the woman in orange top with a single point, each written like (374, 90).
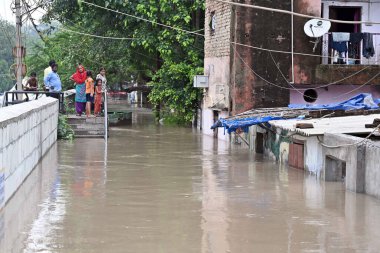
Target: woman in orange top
(98, 97)
(89, 93)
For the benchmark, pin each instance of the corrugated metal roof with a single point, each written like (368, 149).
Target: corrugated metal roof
(342, 125)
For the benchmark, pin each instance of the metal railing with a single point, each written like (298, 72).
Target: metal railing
(105, 115)
(13, 97)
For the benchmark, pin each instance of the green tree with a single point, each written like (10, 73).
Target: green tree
(7, 32)
(164, 58)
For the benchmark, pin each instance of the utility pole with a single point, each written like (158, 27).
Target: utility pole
(19, 49)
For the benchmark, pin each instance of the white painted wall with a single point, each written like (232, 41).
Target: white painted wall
(208, 121)
(313, 157)
(372, 170)
(27, 131)
(370, 12)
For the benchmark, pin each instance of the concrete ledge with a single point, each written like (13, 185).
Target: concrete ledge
(27, 131)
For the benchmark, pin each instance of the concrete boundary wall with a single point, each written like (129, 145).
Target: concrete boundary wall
(27, 132)
(361, 163)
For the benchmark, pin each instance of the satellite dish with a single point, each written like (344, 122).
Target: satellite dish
(316, 28)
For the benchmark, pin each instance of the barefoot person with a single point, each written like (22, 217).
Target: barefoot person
(79, 77)
(89, 92)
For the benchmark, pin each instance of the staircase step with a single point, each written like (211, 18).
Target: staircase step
(89, 132)
(85, 120)
(87, 127)
(89, 136)
(91, 127)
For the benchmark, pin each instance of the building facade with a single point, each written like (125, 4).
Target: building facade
(261, 59)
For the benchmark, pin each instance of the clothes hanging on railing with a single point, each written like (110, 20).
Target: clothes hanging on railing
(348, 45)
(337, 44)
(341, 37)
(354, 45)
(368, 48)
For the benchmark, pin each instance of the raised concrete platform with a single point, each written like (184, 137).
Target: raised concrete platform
(92, 127)
(27, 131)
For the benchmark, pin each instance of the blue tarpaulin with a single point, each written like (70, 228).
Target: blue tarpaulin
(243, 123)
(361, 101)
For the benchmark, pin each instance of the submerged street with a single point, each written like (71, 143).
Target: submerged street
(168, 189)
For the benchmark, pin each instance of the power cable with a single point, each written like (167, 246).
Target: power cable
(296, 13)
(287, 88)
(93, 35)
(144, 19)
(287, 52)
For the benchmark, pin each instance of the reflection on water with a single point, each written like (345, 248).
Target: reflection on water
(169, 189)
(25, 208)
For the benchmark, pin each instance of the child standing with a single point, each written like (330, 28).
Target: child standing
(98, 97)
(89, 92)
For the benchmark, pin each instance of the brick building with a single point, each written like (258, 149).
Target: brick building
(242, 76)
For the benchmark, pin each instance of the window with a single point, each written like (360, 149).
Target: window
(212, 23)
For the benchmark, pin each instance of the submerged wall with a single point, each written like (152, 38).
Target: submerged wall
(361, 163)
(27, 131)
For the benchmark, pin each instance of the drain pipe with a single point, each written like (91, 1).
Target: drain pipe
(292, 40)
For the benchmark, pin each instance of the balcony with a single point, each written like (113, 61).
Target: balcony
(353, 55)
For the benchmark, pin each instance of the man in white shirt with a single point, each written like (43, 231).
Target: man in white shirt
(47, 71)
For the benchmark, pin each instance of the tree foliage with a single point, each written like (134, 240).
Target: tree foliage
(156, 55)
(7, 42)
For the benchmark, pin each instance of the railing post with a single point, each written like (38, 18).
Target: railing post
(105, 116)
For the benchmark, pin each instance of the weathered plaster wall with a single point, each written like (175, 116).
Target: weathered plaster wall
(208, 121)
(304, 66)
(372, 170)
(217, 55)
(259, 29)
(278, 148)
(354, 157)
(336, 93)
(312, 155)
(27, 131)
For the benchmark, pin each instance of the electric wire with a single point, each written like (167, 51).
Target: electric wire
(93, 35)
(296, 13)
(288, 52)
(351, 144)
(144, 19)
(343, 94)
(296, 89)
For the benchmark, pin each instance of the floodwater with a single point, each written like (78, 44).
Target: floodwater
(169, 189)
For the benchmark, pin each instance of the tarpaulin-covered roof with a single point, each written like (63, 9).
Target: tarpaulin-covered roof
(342, 125)
(244, 120)
(361, 101)
(253, 117)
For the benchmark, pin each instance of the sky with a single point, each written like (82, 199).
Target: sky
(7, 14)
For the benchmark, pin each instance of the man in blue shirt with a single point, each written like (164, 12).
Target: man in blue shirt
(53, 81)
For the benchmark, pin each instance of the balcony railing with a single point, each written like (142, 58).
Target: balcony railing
(354, 55)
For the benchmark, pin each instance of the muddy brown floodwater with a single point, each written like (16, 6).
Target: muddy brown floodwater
(169, 189)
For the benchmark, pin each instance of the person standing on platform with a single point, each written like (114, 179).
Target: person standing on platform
(79, 77)
(102, 76)
(47, 71)
(54, 82)
(98, 97)
(89, 92)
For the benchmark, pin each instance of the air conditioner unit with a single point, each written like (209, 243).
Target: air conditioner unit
(200, 81)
